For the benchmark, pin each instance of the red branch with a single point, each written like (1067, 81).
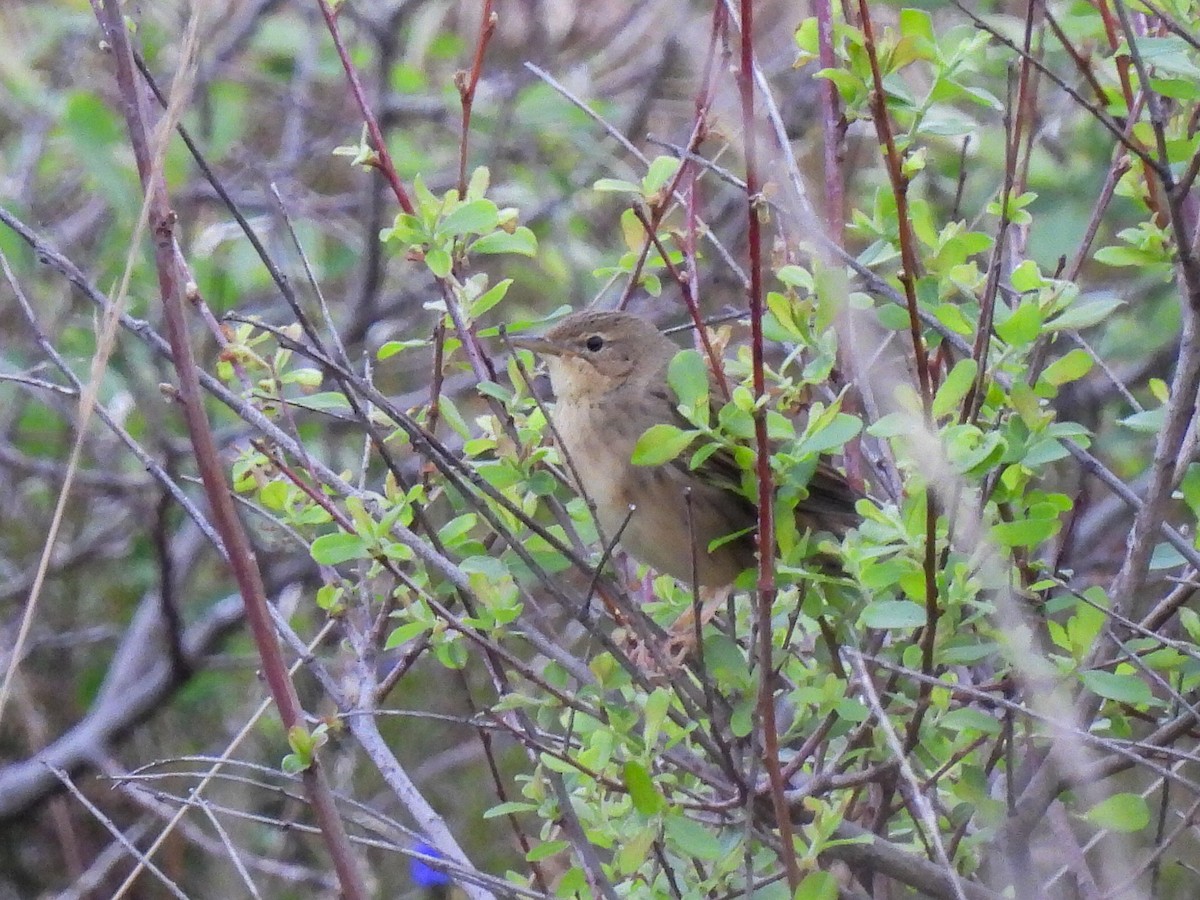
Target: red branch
(382, 160)
(766, 518)
(242, 560)
(466, 84)
(908, 278)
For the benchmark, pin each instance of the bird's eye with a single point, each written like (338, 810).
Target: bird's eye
(594, 343)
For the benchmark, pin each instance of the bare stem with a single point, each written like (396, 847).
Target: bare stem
(241, 556)
(766, 520)
(466, 83)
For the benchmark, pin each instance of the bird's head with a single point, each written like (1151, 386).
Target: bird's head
(590, 354)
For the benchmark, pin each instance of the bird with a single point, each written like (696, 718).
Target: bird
(608, 372)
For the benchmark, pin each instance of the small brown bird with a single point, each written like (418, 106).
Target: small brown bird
(609, 374)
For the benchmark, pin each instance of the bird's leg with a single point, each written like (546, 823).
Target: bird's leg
(681, 636)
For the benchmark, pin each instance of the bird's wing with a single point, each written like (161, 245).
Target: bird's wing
(720, 469)
(829, 505)
(831, 499)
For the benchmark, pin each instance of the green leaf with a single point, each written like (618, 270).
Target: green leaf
(488, 566)
(807, 36)
(1015, 207)
(300, 740)
(450, 653)
(1124, 813)
(893, 425)
(955, 387)
(508, 808)
(832, 436)
(692, 838)
(848, 84)
(661, 170)
(821, 885)
(329, 598)
(478, 185)
(94, 129)
(438, 261)
(893, 614)
(1044, 452)
(453, 417)
(615, 186)
(1122, 687)
(645, 796)
(916, 23)
(736, 421)
(661, 443)
(1149, 421)
(1024, 532)
(457, 528)
(490, 298)
(521, 241)
(493, 390)
(476, 217)
(1023, 326)
(631, 853)
(797, 277)
(948, 122)
(657, 706)
(1190, 620)
(967, 718)
(405, 633)
(1081, 315)
(1070, 367)
(1168, 54)
(322, 401)
(1026, 277)
(546, 850)
(1190, 487)
(688, 376)
(954, 319)
(274, 494)
(1164, 557)
(339, 547)
(971, 450)
(1127, 256)
(391, 348)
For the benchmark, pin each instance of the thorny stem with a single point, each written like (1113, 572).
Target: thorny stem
(973, 402)
(833, 127)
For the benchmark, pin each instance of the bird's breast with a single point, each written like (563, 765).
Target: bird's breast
(598, 446)
(599, 439)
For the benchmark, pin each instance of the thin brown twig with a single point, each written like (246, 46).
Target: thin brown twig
(382, 159)
(685, 287)
(467, 82)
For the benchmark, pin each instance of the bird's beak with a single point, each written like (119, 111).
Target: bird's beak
(539, 345)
